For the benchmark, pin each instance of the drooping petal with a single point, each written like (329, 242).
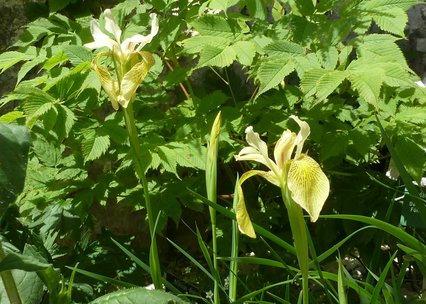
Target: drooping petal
(101, 39)
(111, 26)
(133, 78)
(284, 148)
(304, 132)
(243, 219)
(308, 184)
(108, 83)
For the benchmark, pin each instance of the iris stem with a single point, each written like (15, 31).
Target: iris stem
(140, 171)
(298, 229)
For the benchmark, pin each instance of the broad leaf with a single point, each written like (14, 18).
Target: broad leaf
(140, 296)
(214, 56)
(14, 143)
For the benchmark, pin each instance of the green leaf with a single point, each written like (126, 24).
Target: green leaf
(138, 295)
(14, 143)
(23, 262)
(222, 5)
(30, 288)
(56, 5)
(94, 145)
(245, 51)
(272, 72)
(28, 66)
(11, 116)
(392, 20)
(322, 82)
(412, 156)
(368, 84)
(214, 25)
(381, 47)
(341, 282)
(214, 56)
(195, 44)
(384, 5)
(8, 59)
(77, 54)
(284, 47)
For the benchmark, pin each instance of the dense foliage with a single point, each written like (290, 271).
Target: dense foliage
(336, 64)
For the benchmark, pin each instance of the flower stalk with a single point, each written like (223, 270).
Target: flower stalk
(211, 187)
(131, 65)
(304, 186)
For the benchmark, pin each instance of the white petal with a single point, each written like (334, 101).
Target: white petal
(101, 39)
(304, 132)
(250, 153)
(111, 26)
(154, 31)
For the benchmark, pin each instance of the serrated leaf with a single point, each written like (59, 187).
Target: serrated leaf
(245, 51)
(309, 81)
(381, 47)
(328, 82)
(28, 66)
(195, 44)
(392, 20)
(11, 116)
(328, 57)
(214, 56)
(368, 84)
(272, 72)
(49, 118)
(168, 159)
(412, 156)
(94, 145)
(77, 54)
(65, 121)
(190, 155)
(214, 25)
(384, 5)
(57, 59)
(8, 59)
(280, 47)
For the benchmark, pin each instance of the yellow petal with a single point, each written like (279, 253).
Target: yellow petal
(108, 83)
(284, 148)
(243, 219)
(308, 185)
(132, 79)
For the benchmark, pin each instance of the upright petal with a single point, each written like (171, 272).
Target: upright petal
(101, 39)
(308, 185)
(304, 132)
(284, 148)
(111, 26)
(137, 42)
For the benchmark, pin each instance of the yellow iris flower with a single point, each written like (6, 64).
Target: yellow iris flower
(290, 170)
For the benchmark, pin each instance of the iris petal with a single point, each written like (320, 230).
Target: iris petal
(243, 219)
(308, 185)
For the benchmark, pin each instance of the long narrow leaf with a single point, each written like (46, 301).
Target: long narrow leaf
(263, 232)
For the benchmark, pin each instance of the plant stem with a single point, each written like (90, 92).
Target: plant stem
(298, 229)
(140, 171)
(9, 282)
